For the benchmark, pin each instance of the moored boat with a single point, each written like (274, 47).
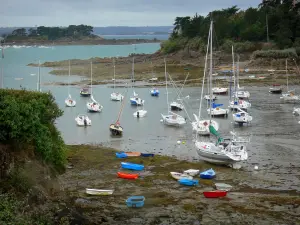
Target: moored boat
(208, 174)
(191, 172)
(83, 120)
(188, 182)
(132, 166)
(116, 129)
(127, 176)
(214, 194)
(276, 89)
(223, 187)
(179, 176)
(91, 191)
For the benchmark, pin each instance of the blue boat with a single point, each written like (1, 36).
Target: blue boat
(135, 201)
(132, 166)
(208, 174)
(188, 182)
(154, 92)
(147, 154)
(121, 155)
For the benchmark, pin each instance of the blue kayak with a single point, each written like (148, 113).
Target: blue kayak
(188, 182)
(147, 154)
(208, 174)
(135, 201)
(121, 155)
(132, 166)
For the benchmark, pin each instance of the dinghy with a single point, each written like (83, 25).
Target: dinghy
(223, 187)
(214, 194)
(135, 201)
(121, 155)
(127, 176)
(133, 154)
(188, 182)
(132, 166)
(208, 174)
(147, 154)
(154, 92)
(179, 176)
(83, 120)
(91, 191)
(191, 172)
(85, 92)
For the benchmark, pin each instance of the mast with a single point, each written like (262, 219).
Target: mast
(210, 72)
(114, 73)
(287, 76)
(238, 71)
(91, 79)
(267, 27)
(166, 83)
(69, 78)
(39, 77)
(233, 74)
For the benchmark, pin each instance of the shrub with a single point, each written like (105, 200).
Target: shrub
(275, 54)
(239, 47)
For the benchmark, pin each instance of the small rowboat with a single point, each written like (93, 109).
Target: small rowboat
(191, 172)
(223, 187)
(214, 194)
(133, 154)
(208, 174)
(147, 154)
(135, 201)
(91, 191)
(179, 176)
(132, 166)
(188, 182)
(128, 176)
(121, 155)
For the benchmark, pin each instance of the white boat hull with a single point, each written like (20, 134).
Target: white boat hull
(94, 107)
(242, 104)
(290, 98)
(136, 101)
(69, 103)
(207, 97)
(202, 127)
(191, 172)
(90, 191)
(243, 94)
(219, 91)
(179, 176)
(176, 106)
(242, 118)
(116, 97)
(218, 112)
(173, 120)
(140, 113)
(83, 120)
(296, 111)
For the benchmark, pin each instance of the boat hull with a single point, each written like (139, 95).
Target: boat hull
(116, 97)
(275, 91)
(132, 166)
(214, 194)
(127, 176)
(91, 191)
(116, 130)
(69, 103)
(135, 201)
(82, 94)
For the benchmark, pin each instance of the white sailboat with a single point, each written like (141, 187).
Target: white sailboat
(237, 103)
(93, 105)
(224, 151)
(83, 120)
(115, 96)
(135, 100)
(171, 119)
(241, 117)
(290, 95)
(69, 101)
(240, 93)
(154, 91)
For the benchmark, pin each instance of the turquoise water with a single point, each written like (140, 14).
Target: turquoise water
(17, 58)
(148, 37)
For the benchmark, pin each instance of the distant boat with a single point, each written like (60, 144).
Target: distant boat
(132, 166)
(223, 187)
(90, 191)
(115, 96)
(191, 172)
(296, 111)
(127, 176)
(179, 176)
(276, 89)
(116, 129)
(154, 92)
(208, 174)
(135, 201)
(214, 194)
(69, 101)
(188, 182)
(85, 92)
(83, 120)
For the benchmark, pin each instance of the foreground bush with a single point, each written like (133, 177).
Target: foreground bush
(276, 54)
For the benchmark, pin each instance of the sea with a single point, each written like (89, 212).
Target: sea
(274, 131)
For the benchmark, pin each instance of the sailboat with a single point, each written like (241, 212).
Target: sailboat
(239, 92)
(154, 91)
(290, 95)
(237, 103)
(178, 105)
(116, 129)
(241, 117)
(115, 96)
(69, 101)
(224, 151)
(199, 125)
(135, 100)
(171, 119)
(276, 88)
(93, 105)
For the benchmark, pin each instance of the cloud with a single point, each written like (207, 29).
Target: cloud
(107, 12)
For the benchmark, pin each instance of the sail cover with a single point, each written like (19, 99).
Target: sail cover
(213, 131)
(214, 105)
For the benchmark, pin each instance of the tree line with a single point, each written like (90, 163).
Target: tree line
(276, 21)
(53, 33)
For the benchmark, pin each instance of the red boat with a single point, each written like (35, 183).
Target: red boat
(128, 176)
(214, 194)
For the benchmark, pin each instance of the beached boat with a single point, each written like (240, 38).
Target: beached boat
(115, 96)
(140, 113)
(135, 201)
(175, 106)
(191, 172)
(188, 182)
(202, 126)
(208, 174)
(223, 187)
(214, 194)
(147, 154)
(219, 91)
(116, 129)
(91, 191)
(69, 101)
(121, 155)
(127, 176)
(296, 111)
(85, 92)
(276, 89)
(179, 176)
(216, 111)
(133, 154)
(83, 120)
(132, 166)
(241, 117)
(154, 92)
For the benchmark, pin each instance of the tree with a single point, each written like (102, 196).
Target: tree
(19, 32)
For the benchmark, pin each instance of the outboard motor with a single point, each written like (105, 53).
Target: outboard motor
(138, 114)
(85, 122)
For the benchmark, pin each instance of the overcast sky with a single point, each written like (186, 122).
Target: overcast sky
(107, 12)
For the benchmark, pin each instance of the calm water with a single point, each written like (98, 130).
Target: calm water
(148, 37)
(274, 132)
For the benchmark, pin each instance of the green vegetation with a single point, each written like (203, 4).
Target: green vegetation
(27, 124)
(52, 33)
(246, 29)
